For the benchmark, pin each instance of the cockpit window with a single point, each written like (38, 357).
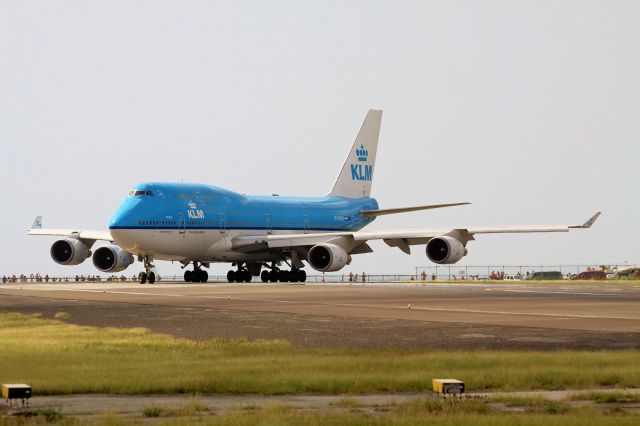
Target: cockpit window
(140, 193)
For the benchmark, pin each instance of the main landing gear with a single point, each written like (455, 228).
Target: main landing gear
(197, 275)
(147, 274)
(274, 275)
(246, 272)
(241, 275)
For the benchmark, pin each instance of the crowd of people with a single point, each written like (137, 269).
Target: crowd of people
(37, 278)
(353, 278)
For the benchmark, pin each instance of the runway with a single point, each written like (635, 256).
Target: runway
(509, 315)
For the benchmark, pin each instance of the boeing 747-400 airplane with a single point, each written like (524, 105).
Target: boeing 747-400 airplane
(201, 224)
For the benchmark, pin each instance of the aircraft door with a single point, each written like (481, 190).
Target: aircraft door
(269, 224)
(223, 228)
(306, 223)
(181, 224)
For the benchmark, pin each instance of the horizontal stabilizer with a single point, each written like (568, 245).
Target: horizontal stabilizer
(381, 212)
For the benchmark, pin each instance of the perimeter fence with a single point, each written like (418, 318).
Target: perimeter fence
(420, 273)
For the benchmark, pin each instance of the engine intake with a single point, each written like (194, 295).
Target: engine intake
(112, 258)
(69, 251)
(328, 257)
(445, 250)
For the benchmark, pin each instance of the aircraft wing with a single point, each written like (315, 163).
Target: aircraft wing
(89, 235)
(402, 239)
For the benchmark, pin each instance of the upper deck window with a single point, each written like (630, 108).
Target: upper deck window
(139, 193)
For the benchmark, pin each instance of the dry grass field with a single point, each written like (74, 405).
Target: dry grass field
(59, 358)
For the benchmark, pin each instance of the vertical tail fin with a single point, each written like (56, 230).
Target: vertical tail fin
(356, 175)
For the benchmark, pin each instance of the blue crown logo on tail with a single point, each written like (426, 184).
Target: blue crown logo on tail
(362, 153)
(359, 171)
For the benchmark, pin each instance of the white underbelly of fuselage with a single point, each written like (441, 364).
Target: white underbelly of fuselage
(206, 245)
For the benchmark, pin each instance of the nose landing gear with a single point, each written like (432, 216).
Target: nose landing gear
(241, 275)
(147, 274)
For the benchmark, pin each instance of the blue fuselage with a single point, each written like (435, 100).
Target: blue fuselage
(175, 206)
(183, 222)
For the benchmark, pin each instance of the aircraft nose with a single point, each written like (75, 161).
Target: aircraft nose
(124, 216)
(123, 223)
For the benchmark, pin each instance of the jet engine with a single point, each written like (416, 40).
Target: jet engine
(328, 257)
(69, 251)
(445, 250)
(111, 258)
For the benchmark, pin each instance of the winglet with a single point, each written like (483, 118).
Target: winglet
(588, 223)
(37, 223)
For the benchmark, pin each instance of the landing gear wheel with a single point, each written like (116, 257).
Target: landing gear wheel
(302, 276)
(264, 276)
(204, 276)
(231, 276)
(247, 276)
(273, 276)
(152, 277)
(187, 276)
(142, 277)
(283, 276)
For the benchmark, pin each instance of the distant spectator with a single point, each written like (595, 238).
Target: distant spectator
(424, 276)
(433, 276)
(46, 278)
(350, 277)
(4, 279)
(364, 277)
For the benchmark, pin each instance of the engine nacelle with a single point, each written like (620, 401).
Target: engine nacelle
(445, 250)
(111, 258)
(328, 257)
(69, 251)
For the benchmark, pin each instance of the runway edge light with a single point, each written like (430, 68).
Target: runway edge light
(448, 386)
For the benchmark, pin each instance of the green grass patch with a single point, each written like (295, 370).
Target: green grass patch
(153, 411)
(347, 402)
(59, 358)
(418, 412)
(61, 315)
(606, 397)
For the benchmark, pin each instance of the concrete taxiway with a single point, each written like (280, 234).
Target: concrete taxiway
(504, 315)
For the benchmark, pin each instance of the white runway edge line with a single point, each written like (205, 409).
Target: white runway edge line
(354, 305)
(559, 292)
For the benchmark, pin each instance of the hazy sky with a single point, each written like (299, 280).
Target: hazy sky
(528, 109)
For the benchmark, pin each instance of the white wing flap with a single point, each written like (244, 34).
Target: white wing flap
(395, 238)
(81, 234)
